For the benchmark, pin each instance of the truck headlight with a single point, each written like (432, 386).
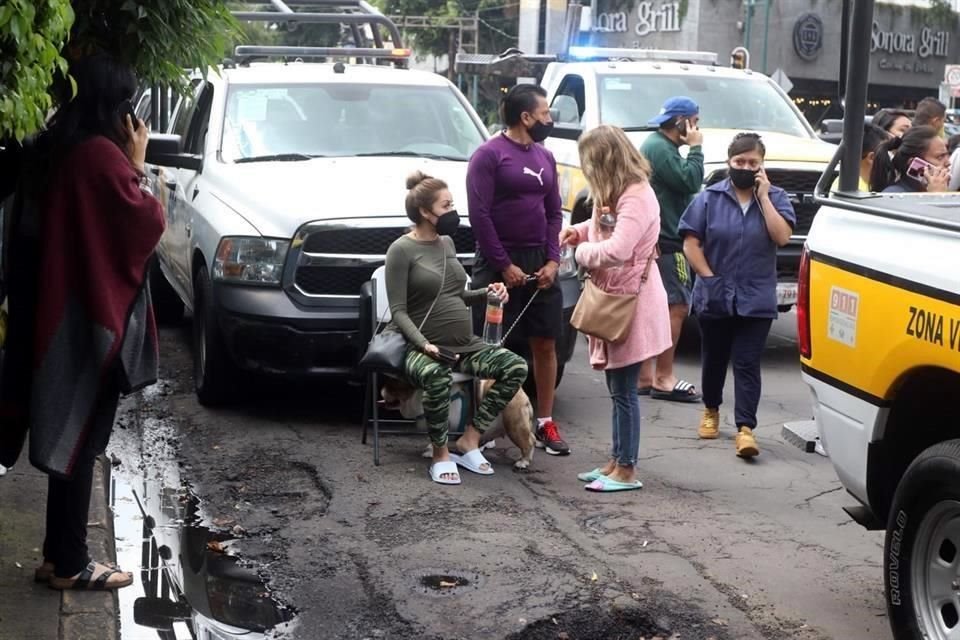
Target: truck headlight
(250, 260)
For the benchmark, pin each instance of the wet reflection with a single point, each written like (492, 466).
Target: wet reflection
(190, 584)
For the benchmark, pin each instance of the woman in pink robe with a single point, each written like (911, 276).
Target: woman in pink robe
(618, 258)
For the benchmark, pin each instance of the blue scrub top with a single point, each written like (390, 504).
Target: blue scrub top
(740, 252)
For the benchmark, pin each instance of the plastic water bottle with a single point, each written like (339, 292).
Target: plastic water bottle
(493, 325)
(608, 222)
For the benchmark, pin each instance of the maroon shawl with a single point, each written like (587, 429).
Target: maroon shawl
(93, 313)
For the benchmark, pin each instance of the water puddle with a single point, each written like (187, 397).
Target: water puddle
(189, 581)
(446, 582)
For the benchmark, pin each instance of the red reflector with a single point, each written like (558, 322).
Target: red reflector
(803, 306)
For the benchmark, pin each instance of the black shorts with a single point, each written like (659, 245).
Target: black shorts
(544, 318)
(675, 273)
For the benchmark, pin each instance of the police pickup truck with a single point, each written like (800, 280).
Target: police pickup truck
(879, 334)
(589, 86)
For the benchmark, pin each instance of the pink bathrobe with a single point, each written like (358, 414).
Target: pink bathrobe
(633, 241)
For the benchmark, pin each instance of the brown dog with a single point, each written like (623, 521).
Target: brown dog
(516, 420)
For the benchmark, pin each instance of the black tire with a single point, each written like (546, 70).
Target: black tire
(927, 497)
(213, 372)
(167, 305)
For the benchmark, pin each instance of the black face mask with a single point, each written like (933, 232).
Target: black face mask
(540, 131)
(447, 223)
(743, 178)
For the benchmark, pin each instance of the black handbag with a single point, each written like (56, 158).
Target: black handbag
(387, 350)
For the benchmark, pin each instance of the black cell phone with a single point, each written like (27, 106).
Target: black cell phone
(446, 356)
(126, 109)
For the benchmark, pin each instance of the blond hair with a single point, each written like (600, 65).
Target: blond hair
(422, 193)
(610, 164)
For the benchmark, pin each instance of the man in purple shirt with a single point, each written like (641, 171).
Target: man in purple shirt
(515, 213)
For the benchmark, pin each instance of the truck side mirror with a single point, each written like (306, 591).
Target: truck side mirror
(164, 149)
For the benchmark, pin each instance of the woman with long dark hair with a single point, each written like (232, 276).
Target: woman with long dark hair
(893, 121)
(84, 228)
(916, 163)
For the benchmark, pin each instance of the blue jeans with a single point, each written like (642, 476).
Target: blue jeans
(622, 384)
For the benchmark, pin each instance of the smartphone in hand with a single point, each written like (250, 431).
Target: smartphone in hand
(918, 170)
(126, 109)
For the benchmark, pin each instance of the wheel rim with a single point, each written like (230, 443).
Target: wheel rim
(935, 573)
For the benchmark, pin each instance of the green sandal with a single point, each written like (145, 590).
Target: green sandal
(590, 476)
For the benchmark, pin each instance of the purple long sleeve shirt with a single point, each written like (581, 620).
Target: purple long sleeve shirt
(514, 199)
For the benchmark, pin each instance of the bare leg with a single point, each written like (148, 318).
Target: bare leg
(544, 353)
(665, 379)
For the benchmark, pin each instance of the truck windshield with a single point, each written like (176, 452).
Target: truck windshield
(310, 120)
(745, 104)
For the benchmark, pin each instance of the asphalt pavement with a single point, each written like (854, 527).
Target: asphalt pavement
(712, 547)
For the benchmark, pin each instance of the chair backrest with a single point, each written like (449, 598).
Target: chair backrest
(381, 303)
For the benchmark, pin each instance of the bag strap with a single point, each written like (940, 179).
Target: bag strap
(646, 270)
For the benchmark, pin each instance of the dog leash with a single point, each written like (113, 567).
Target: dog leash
(517, 321)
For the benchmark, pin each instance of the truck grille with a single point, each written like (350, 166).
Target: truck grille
(372, 242)
(318, 279)
(333, 281)
(799, 184)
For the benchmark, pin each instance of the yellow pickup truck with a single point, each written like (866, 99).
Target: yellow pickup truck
(879, 331)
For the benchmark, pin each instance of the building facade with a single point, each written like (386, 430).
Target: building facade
(910, 46)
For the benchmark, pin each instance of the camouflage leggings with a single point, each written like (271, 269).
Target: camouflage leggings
(504, 367)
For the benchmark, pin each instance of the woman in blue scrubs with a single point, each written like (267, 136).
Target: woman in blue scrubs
(731, 232)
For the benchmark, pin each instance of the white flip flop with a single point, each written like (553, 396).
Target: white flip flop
(438, 469)
(472, 461)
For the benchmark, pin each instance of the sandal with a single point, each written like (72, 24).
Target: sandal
(473, 461)
(683, 391)
(43, 573)
(85, 582)
(444, 468)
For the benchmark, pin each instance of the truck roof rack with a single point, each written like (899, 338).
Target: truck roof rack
(353, 14)
(514, 62)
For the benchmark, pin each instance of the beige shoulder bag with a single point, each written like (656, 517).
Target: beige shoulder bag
(604, 315)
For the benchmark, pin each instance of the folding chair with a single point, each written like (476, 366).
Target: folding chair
(373, 299)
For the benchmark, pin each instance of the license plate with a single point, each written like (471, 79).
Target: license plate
(786, 293)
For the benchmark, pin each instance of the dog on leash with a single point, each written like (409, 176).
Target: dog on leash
(516, 420)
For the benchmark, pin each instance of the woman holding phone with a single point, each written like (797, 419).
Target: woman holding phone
(731, 233)
(916, 163)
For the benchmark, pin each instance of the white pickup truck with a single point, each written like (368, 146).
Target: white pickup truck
(879, 333)
(589, 86)
(286, 194)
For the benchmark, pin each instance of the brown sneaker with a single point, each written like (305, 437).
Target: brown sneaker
(746, 443)
(709, 424)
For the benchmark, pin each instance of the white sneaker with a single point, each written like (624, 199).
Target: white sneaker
(3, 471)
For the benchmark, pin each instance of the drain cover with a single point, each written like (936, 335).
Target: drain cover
(445, 582)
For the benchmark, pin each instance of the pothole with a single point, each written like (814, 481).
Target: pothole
(445, 583)
(593, 623)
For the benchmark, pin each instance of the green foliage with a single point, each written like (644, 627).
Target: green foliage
(32, 33)
(159, 38)
(497, 22)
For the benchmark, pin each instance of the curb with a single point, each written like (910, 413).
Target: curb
(94, 615)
